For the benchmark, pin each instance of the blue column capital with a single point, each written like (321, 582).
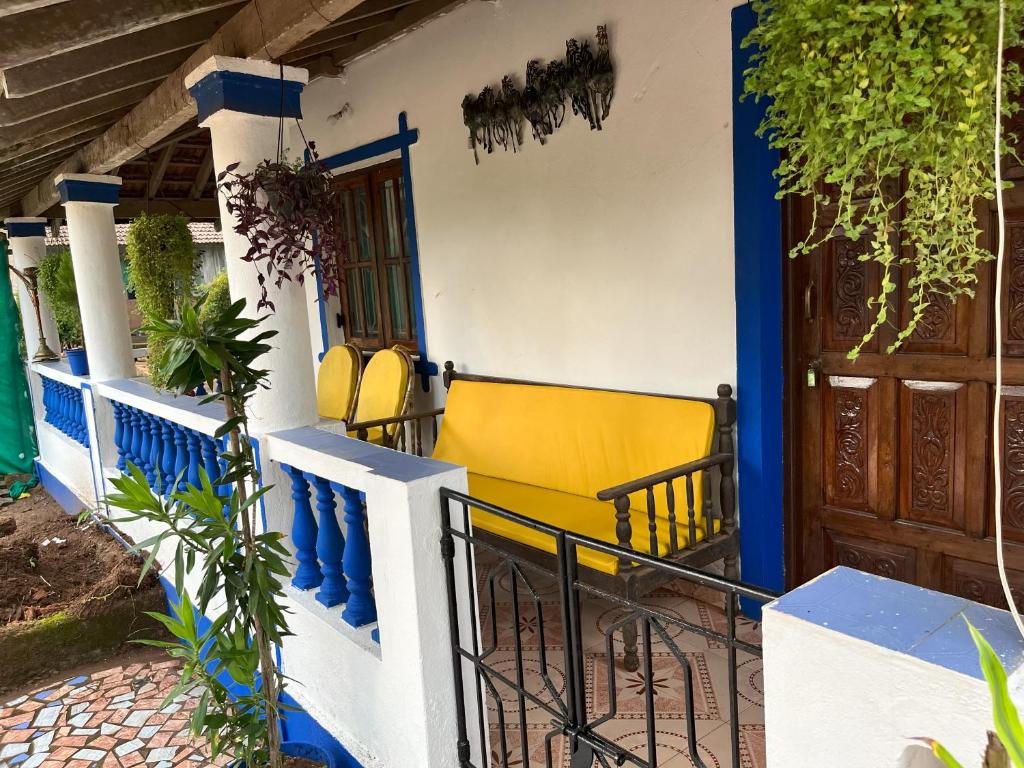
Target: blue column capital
(88, 188)
(25, 226)
(246, 86)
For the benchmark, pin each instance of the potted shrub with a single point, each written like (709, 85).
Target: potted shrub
(161, 264)
(213, 528)
(289, 214)
(57, 282)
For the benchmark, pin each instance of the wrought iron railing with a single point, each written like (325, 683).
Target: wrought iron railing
(479, 681)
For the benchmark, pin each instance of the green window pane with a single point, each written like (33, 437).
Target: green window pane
(355, 308)
(397, 306)
(369, 285)
(392, 225)
(363, 233)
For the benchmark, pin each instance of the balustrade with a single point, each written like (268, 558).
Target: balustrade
(336, 562)
(64, 409)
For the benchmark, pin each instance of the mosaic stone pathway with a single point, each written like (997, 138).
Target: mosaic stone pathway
(107, 719)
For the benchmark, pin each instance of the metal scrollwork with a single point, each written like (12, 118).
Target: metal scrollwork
(585, 78)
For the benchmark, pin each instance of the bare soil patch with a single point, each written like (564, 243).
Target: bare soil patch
(68, 595)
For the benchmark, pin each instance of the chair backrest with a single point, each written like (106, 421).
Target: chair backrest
(386, 387)
(338, 382)
(574, 440)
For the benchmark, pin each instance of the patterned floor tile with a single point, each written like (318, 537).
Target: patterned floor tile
(112, 718)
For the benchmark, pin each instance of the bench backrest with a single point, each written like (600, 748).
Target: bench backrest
(571, 439)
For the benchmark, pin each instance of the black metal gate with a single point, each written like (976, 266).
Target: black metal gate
(506, 673)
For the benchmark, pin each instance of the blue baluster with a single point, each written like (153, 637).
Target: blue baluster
(144, 449)
(304, 533)
(168, 454)
(180, 456)
(330, 545)
(45, 383)
(118, 433)
(155, 443)
(83, 421)
(137, 437)
(361, 608)
(60, 418)
(195, 457)
(210, 464)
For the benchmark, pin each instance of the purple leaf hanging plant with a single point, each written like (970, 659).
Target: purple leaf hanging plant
(289, 214)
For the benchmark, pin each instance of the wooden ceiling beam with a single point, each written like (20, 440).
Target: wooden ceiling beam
(266, 32)
(158, 171)
(193, 209)
(202, 176)
(35, 34)
(69, 66)
(8, 7)
(334, 37)
(14, 111)
(43, 141)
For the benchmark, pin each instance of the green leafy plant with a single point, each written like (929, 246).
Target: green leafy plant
(1006, 746)
(160, 256)
(57, 282)
(212, 528)
(862, 94)
(216, 297)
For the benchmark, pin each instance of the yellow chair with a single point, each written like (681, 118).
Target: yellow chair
(337, 383)
(385, 393)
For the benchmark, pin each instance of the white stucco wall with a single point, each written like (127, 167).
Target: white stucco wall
(603, 258)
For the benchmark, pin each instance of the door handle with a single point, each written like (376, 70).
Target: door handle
(809, 301)
(812, 373)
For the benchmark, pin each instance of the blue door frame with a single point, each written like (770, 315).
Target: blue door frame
(757, 222)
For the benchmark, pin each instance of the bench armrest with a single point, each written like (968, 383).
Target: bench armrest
(643, 483)
(358, 425)
(398, 439)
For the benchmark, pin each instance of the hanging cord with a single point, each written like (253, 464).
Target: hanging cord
(1000, 251)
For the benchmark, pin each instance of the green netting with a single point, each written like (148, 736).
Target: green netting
(17, 440)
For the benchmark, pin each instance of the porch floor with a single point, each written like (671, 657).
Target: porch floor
(110, 718)
(707, 658)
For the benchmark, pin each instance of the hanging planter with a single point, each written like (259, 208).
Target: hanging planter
(289, 214)
(863, 94)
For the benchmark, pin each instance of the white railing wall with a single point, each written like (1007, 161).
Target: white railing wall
(370, 658)
(383, 685)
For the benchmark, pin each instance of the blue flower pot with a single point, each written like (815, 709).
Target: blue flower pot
(78, 362)
(301, 749)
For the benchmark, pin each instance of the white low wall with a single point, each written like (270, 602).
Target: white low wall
(857, 669)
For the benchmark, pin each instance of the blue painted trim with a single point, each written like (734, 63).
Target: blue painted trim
(250, 94)
(26, 229)
(759, 391)
(423, 366)
(259, 472)
(63, 495)
(394, 143)
(399, 142)
(322, 307)
(914, 621)
(81, 191)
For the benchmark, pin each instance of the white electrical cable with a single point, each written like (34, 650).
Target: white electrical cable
(1000, 250)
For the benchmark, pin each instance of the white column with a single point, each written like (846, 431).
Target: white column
(28, 247)
(240, 102)
(89, 209)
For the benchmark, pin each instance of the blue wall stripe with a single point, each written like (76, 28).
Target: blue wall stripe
(63, 495)
(244, 92)
(398, 141)
(758, 238)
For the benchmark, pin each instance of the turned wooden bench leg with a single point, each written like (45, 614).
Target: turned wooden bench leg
(631, 659)
(732, 570)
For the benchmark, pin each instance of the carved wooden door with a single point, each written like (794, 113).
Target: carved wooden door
(889, 456)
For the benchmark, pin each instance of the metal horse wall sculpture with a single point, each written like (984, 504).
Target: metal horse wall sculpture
(586, 78)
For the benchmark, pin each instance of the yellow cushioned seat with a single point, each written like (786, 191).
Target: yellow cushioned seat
(337, 382)
(546, 451)
(588, 517)
(384, 391)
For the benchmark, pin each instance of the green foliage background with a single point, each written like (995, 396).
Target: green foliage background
(160, 255)
(217, 298)
(57, 282)
(862, 92)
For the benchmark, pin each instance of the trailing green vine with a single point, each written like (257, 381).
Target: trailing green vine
(863, 93)
(161, 264)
